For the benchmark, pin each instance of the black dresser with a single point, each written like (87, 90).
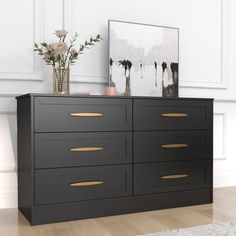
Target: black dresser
(90, 156)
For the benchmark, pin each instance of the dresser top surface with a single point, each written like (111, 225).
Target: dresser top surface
(111, 97)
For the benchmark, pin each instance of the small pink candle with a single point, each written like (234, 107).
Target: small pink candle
(111, 91)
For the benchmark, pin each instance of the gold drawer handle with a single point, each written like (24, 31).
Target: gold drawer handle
(86, 114)
(180, 176)
(174, 145)
(174, 115)
(87, 183)
(86, 149)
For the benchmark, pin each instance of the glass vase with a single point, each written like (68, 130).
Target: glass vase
(61, 81)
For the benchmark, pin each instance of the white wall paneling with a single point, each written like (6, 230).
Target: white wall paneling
(7, 104)
(8, 141)
(92, 67)
(22, 71)
(219, 136)
(20, 33)
(8, 189)
(28, 21)
(200, 41)
(8, 155)
(224, 143)
(212, 34)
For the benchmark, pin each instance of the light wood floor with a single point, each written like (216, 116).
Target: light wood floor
(12, 223)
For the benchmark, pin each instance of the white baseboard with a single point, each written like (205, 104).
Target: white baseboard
(8, 197)
(224, 180)
(8, 189)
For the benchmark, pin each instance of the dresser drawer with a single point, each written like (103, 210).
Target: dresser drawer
(157, 146)
(174, 176)
(172, 114)
(81, 149)
(83, 183)
(61, 114)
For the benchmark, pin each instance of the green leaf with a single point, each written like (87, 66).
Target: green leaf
(43, 44)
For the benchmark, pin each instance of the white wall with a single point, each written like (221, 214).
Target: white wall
(207, 57)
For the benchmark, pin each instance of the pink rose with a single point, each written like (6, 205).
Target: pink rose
(58, 48)
(51, 46)
(61, 33)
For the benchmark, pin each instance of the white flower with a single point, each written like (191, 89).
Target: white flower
(60, 33)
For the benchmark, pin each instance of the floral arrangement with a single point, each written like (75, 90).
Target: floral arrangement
(61, 55)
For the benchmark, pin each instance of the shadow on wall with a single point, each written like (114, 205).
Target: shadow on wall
(8, 144)
(11, 118)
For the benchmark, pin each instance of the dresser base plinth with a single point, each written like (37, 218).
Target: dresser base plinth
(106, 207)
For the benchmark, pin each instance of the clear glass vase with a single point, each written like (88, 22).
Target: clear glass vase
(61, 81)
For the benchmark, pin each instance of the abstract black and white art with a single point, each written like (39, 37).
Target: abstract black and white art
(143, 59)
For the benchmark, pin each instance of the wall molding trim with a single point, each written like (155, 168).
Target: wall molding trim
(8, 192)
(222, 84)
(223, 155)
(37, 72)
(231, 100)
(8, 197)
(8, 170)
(68, 24)
(8, 110)
(78, 78)
(87, 79)
(224, 180)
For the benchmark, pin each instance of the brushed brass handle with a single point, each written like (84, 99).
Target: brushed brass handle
(175, 115)
(86, 149)
(83, 114)
(86, 183)
(175, 145)
(177, 176)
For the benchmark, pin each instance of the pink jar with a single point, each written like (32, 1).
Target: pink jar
(111, 91)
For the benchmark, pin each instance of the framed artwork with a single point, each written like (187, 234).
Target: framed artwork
(143, 59)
